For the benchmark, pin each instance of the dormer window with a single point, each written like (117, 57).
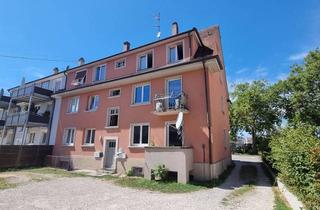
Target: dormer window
(80, 78)
(100, 73)
(120, 63)
(145, 61)
(175, 53)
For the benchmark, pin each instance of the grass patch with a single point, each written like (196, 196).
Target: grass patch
(55, 171)
(5, 185)
(238, 192)
(279, 203)
(160, 186)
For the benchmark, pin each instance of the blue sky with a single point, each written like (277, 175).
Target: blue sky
(261, 39)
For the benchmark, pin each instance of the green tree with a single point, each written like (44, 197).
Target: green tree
(253, 110)
(300, 93)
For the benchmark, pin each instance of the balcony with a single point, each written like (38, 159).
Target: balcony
(176, 159)
(170, 104)
(23, 93)
(4, 101)
(32, 119)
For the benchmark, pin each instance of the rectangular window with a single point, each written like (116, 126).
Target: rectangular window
(69, 135)
(73, 105)
(113, 117)
(145, 61)
(140, 134)
(141, 94)
(93, 103)
(114, 92)
(89, 137)
(45, 85)
(100, 73)
(80, 78)
(44, 138)
(31, 138)
(175, 53)
(120, 64)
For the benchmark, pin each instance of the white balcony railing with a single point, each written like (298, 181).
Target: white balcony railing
(174, 102)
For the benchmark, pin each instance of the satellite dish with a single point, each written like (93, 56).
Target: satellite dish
(179, 120)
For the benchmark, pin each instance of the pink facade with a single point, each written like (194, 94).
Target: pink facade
(202, 78)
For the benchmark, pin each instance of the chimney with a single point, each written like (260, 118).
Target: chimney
(81, 61)
(174, 29)
(23, 81)
(126, 46)
(55, 70)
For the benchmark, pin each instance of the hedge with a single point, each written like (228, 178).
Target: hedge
(295, 153)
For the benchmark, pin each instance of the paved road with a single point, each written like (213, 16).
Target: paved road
(90, 193)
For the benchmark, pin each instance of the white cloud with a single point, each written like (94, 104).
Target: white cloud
(242, 70)
(261, 71)
(298, 56)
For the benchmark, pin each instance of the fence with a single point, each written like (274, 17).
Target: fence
(12, 156)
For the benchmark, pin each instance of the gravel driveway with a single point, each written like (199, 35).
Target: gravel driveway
(91, 193)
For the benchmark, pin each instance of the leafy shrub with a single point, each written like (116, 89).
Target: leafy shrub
(130, 172)
(161, 173)
(295, 153)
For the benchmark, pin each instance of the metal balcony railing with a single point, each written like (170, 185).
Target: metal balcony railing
(170, 102)
(29, 90)
(19, 119)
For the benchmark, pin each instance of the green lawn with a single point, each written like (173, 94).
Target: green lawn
(279, 202)
(132, 182)
(165, 187)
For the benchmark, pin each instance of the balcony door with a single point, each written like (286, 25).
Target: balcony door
(173, 90)
(172, 135)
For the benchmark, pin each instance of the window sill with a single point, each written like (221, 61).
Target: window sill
(108, 127)
(68, 145)
(91, 110)
(137, 146)
(87, 145)
(71, 113)
(140, 104)
(114, 96)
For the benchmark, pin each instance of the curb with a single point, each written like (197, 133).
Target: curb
(293, 201)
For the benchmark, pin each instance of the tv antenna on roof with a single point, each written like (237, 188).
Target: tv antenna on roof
(157, 17)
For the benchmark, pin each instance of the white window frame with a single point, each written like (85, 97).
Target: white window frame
(174, 44)
(69, 105)
(134, 94)
(138, 67)
(94, 102)
(101, 77)
(33, 134)
(132, 134)
(120, 60)
(83, 80)
(85, 137)
(109, 116)
(65, 134)
(110, 96)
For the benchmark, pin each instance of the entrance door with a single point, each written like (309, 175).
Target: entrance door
(173, 137)
(110, 153)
